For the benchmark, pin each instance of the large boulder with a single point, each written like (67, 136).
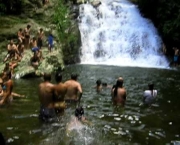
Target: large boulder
(51, 62)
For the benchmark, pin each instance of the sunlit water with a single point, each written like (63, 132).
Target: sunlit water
(115, 33)
(133, 124)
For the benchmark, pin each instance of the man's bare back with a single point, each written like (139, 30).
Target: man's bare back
(119, 92)
(46, 98)
(121, 96)
(74, 89)
(46, 94)
(60, 91)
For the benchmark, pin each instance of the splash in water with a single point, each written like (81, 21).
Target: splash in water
(114, 33)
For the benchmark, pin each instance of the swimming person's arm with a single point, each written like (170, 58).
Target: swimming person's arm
(7, 93)
(80, 93)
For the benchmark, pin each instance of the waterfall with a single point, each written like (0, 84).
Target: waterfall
(115, 33)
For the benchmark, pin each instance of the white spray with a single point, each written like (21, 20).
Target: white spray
(115, 33)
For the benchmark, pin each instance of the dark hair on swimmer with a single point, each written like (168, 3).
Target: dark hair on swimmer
(9, 74)
(47, 77)
(119, 84)
(58, 77)
(28, 26)
(2, 140)
(74, 76)
(151, 86)
(104, 84)
(98, 82)
(79, 112)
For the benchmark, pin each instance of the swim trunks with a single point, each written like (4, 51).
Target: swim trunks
(60, 106)
(39, 42)
(35, 49)
(50, 41)
(47, 114)
(71, 101)
(27, 36)
(175, 58)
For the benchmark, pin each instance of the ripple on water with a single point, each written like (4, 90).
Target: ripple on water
(117, 118)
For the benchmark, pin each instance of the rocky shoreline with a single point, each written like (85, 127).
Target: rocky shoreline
(38, 18)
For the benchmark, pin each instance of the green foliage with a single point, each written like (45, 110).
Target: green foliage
(11, 6)
(67, 33)
(166, 17)
(2, 8)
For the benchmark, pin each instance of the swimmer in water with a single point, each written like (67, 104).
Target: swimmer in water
(119, 93)
(78, 121)
(149, 95)
(99, 86)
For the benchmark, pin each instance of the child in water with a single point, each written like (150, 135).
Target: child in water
(78, 121)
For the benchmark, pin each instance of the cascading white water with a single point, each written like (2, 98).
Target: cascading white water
(115, 33)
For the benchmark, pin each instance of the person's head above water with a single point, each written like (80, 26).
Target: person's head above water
(120, 79)
(58, 77)
(104, 84)
(47, 77)
(74, 76)
(98, 82)
(79, 112)
(119, 82)
(151, 86)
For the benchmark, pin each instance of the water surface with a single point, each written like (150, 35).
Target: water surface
(133, 124)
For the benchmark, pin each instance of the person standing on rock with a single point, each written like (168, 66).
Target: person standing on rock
(20, 36)
(50, 42)
(40, 38)
(27, 36)
(176, 56)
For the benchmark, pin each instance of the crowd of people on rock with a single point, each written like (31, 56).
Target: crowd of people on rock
(24, 40)
(15, 53)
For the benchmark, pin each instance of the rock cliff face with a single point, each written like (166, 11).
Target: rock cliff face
(38, 16)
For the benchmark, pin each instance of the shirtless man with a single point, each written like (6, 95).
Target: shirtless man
(60, 91)
(7, 88)
(40, 38)
(46, 98)
(20, 48)
(13, 52)
(33, 44)
(27, 36)
(11, 46)
(98, 85)
(119, 93)
(20, 36)
(74, 89)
